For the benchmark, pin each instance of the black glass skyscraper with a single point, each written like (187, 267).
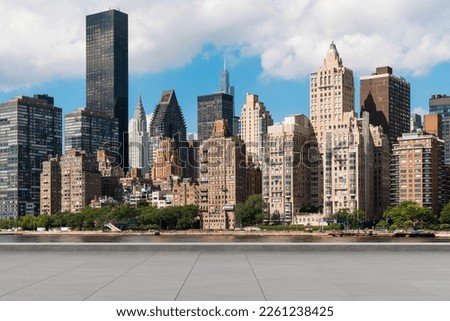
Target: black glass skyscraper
(107, 69)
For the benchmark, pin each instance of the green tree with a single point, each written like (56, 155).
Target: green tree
(251, 211)
(408, 214)
(444, 217)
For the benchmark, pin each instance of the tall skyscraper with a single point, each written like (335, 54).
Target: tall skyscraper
(387, 99)
(211, 108)
(225, 86)
(138, 139)
(440, 104)
(331, 95)
(91, 130)
(219, 105)
(107, 69)
(31, 132)
(418, 171)
(255, 119)
(346, 143)
(168, 122)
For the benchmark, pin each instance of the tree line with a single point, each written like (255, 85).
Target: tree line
(142, 217)
(250, 213)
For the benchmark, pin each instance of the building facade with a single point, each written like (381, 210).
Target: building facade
(387, 99)
(432, 124)
(286, 178)
(91, 130)
(381, 174)
(138, 139)
(211, 108)
(107, 70)
(31, 132)
(255, 119)
(76, 176)
(222, 178)
(440, 105)
(167, 162)
(51, 186)
(331, 96)
(168, 122)
(418, 171)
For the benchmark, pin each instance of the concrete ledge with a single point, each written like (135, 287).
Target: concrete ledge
(235, 247)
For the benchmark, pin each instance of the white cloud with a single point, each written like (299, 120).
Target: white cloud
(44, 40)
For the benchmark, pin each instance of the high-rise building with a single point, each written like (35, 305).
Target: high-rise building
(348, 166)
(344, 179)
(111, 173)
(80, 180)
(440, 104)
(255, 119)
(69, 183)
(167, 162)
(225, 86)
(418, 171)
(222, 178)
(107, 69)
(168, 122)
(138, 139)
(30, 133)
(415, 122)
(51, 186)
(286, 178)
(331, 95)
(91, 130)
(381, 170)
(211, 108)
(387, 99)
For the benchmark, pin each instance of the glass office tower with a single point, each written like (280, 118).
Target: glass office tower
(107, 69)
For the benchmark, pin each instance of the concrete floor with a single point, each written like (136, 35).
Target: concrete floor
(374, 274)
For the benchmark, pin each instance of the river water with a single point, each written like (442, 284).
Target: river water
(211, 238)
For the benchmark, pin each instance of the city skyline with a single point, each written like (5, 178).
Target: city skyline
(269, 52)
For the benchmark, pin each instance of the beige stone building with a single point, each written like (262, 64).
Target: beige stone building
(185, 192)
(348, 166)
(167, 161)
(80, 180)
(349, 146)
(332, 94)
(286, 178)
(255, 119)
(418, 171)
(222, 178)
(77, 178)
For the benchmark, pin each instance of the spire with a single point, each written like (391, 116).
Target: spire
(332, 58)
(139, 116)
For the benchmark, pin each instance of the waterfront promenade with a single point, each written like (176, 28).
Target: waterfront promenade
(224, 271)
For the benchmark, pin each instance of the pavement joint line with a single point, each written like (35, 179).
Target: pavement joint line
(50, 276)
(121, 275)
(187, 277)
(256, 278)
(29, 263)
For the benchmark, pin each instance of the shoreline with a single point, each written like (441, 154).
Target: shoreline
(330, 234)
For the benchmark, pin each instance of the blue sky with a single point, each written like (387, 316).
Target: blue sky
(271, 46)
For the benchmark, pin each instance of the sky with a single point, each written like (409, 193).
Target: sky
(271, 47)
